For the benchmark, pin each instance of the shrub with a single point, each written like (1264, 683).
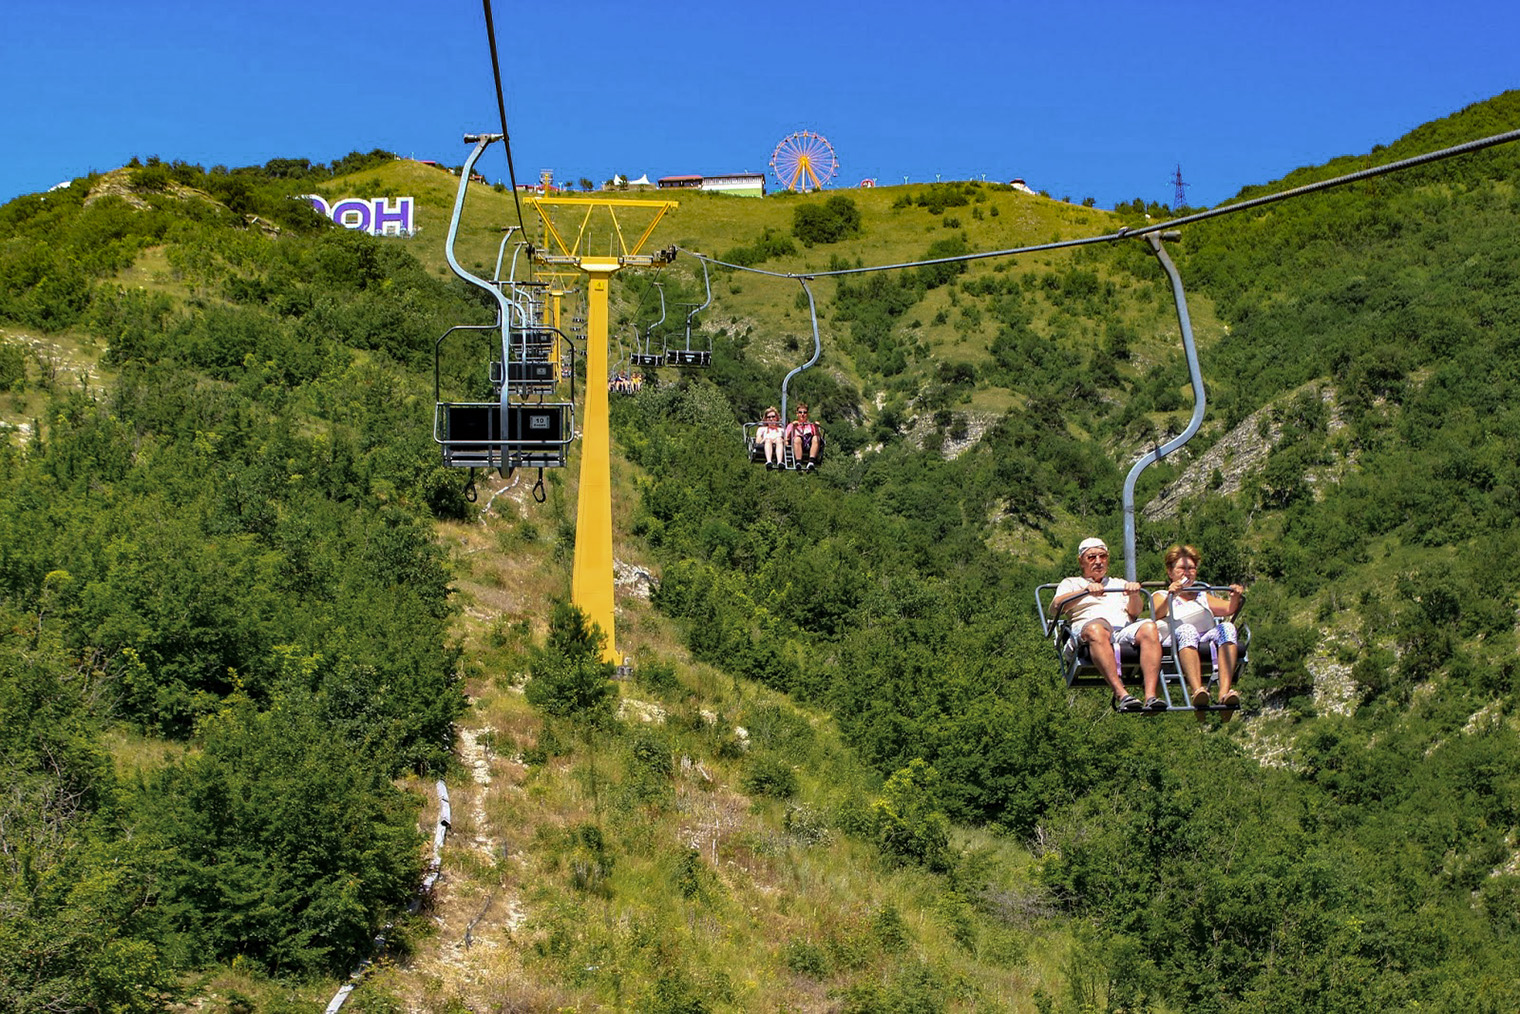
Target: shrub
(910, 828)
(692, 878)
(806, 958)
(674, 993)
(652, 754)
(806, 825)
(890, 930)
(770, 776)
(570, 680)
(590, 862)
(835, 219)
(12, 367)
(769, 244)
(656, 675)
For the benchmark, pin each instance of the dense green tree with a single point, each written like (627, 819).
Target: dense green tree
(837, 218)
(567, 678)
(285, 845)
(78, 928)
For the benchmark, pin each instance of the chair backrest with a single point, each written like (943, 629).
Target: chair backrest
(472, 434)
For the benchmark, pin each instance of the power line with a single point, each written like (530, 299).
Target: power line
(1363, 174)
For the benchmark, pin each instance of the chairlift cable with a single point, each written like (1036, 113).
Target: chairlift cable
(1129, 233)
(1361, 174)
(501, 107)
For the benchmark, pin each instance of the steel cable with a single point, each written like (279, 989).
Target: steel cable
(1128, 233)
(501, 107)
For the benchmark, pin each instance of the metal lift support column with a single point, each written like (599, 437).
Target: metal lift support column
(591, 579)
(1185, 322)
(591, 586)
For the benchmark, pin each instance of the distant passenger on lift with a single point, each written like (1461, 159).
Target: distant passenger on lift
(770, 438)
(1105, 614)
(805, 438)
(1196, 619)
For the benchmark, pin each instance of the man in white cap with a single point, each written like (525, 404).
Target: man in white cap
(1105, 613)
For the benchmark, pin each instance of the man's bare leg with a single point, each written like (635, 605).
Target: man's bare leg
(1099, 637)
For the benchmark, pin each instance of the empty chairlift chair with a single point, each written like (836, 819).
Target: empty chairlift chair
(690, 356)
(644, 355)
(519, 426)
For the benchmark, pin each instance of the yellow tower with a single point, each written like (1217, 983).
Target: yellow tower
(591, 579)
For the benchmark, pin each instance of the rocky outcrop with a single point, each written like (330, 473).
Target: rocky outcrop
(1235, 456)
(633, 579)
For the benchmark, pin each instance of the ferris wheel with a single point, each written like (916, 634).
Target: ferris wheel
(804, 161)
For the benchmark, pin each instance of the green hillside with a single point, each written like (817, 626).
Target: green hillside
(251, 619)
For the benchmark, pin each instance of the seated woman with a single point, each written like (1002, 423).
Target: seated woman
(768, 439)
(1195, 619)
(806, 438)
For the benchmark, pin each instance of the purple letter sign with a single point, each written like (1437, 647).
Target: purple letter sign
(376, 216)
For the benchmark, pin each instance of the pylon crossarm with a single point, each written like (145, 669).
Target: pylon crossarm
(558, 251)
(552, 233)
(659, 214)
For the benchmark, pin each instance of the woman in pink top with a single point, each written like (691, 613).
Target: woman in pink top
(806, 439)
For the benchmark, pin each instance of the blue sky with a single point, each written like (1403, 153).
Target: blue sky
(1085, 99)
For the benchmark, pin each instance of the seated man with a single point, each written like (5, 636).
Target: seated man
(1104, 613)
(805, 438)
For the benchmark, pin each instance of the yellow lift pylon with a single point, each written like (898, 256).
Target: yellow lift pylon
(561, 284)
(591, 581)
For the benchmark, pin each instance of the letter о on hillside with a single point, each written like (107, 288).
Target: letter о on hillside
(377, 216)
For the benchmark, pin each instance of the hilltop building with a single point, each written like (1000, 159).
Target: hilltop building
(742, 184)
